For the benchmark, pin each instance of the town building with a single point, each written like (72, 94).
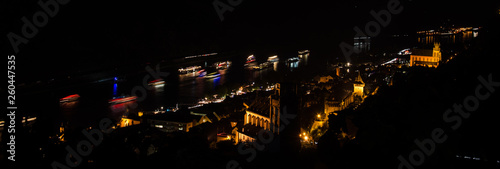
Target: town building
(341, 98)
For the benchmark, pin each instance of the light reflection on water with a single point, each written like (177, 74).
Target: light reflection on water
(115, 89)
(451, 39)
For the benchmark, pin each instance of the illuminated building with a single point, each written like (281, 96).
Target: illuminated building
(428, 58)
(263, 112)
(341, 98)
(125, 122)
(359, 85)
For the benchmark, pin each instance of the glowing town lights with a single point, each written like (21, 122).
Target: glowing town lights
(304, 133)
(305, 138)
(229, 138)
(319, 116)
(61, 138)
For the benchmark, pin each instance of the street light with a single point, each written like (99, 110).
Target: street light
(319, 116)
(305, 138)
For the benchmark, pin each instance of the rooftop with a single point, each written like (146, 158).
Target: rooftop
(422, 52)
(260, 103)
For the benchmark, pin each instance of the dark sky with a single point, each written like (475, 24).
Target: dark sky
(95, 34)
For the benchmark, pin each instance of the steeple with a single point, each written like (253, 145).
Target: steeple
(437, 46)
(436, 52)
(358, 86)
(358, 79)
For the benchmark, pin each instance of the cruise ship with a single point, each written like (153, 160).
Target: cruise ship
(122, 99)
(69, 98)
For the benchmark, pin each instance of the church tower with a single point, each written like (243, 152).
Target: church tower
(436, 52)
(359, 86)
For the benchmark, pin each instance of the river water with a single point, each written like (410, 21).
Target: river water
(179, 89)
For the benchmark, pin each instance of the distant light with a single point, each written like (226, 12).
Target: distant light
(305, 138)
(116, 78)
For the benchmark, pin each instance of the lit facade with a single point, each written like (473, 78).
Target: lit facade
(125, 122)
(427, 58)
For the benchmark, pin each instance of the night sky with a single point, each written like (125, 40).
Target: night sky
(86, 36)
